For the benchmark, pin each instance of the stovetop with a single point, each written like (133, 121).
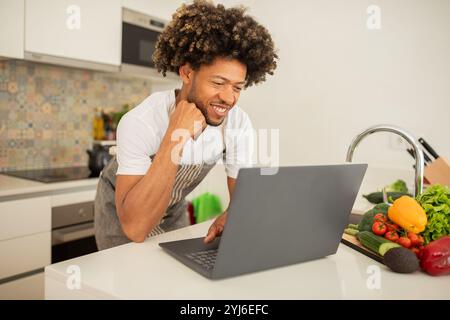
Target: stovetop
(53, 174)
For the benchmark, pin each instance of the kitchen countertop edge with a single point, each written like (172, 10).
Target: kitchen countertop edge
(12, 188)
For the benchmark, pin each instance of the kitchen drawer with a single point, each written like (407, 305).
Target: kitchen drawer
(72, 214)
(27, 288)
(24, 217)
(20, 255)
(73, 197)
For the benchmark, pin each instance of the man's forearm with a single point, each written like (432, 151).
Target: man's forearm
(145, 204)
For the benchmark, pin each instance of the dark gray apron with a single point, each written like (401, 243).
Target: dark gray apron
(108, 230)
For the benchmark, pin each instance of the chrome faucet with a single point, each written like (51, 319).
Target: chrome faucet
(418, 154)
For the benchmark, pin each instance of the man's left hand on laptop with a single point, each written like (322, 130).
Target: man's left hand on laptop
(216, 229)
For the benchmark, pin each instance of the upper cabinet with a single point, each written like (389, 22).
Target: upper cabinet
(11, 28)
(80, 33)
(77, 33)
(162, 9)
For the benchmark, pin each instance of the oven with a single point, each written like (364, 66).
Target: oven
(140, 33)
(73, 231)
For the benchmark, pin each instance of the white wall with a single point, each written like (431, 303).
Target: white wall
(336, 78)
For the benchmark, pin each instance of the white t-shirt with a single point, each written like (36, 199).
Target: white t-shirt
(141, 130)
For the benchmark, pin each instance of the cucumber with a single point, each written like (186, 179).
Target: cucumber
(375, 243)
(353, 226)
(351, 231)
(377, 197)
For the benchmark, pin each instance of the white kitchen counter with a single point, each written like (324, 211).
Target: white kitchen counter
(17, 187)
(145, 271)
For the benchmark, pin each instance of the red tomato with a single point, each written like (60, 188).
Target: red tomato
(415, 241)
(392, 236)
(416, 251)
(379, 228)
(392, 226)
(404, 241)
(421, 241)
(380, 217)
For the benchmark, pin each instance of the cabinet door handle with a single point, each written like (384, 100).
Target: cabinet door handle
(82, 212)
(72, 233)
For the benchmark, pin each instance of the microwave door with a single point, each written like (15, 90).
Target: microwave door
(138, 45)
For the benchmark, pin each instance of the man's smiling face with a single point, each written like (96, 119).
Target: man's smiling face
(215, 88)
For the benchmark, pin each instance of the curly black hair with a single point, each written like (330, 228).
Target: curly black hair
(201, 32)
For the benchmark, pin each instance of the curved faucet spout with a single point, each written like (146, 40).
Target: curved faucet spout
(405, 135)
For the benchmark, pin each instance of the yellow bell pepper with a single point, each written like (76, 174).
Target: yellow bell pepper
(408, 214)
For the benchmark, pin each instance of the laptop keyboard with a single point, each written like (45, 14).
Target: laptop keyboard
(206, 258)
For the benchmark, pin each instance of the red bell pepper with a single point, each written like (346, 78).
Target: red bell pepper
(435, 257)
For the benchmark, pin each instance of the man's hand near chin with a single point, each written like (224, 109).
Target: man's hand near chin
(216, 229)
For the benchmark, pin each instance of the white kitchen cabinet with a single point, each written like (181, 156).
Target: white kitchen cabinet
(25, 246)
(157, 8)
(25, 217)
(24, 254)
(79, 33)
(26, 230)
(26, 288)
(12, 15)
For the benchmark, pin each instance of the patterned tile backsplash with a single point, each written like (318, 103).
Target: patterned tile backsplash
(46, 111)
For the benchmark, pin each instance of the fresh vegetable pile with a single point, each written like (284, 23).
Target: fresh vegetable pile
(410, 233)
(394, 226)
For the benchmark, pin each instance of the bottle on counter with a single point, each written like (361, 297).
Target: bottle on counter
(108, 125)
(98, 126)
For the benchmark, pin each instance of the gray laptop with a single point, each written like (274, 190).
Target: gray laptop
(295, 215)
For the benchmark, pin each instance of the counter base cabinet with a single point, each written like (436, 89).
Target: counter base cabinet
(24, 217)
(27, 288)
(26, 230)
(24, 254)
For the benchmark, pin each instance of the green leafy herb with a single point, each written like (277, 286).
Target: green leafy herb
(436, 202)
(397, 186)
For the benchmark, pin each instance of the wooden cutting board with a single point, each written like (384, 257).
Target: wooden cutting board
(354, 243)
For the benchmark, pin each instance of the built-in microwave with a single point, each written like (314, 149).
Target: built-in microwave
(140, 33)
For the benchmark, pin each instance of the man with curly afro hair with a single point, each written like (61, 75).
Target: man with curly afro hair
(169, 142)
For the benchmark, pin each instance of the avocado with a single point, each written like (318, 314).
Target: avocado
(401, 260)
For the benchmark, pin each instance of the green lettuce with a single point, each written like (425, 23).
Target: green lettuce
(435, 200)
(397, 186)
